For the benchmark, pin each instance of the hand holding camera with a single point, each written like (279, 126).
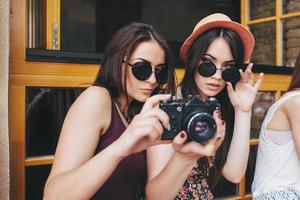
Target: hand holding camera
(146, 128)
(197, 122)
(190, 152)
(191, 115)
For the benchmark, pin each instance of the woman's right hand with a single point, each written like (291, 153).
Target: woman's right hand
(146, 128)
(192, 151)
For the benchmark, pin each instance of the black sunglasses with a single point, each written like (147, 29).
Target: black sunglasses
(142, 70)
(229, 74)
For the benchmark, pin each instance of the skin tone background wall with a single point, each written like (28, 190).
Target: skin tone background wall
(4, 145)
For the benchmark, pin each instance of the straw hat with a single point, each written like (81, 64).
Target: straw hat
(219, 20)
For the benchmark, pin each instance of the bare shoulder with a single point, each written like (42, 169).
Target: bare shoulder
(93, 106)
(87, 118)
(281, 120)
(95, 93)
(94, 96)
(291, 104)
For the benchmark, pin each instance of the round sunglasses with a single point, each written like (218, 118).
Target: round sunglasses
(142, 70)
(229, 74)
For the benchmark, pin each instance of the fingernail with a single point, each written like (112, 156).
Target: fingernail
(218, 113)
(182, 135)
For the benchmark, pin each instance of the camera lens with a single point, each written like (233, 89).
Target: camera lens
(201, 127)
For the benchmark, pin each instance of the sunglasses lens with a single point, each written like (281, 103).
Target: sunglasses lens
(141, 70)
(207, 69)
(161, 74)
(231, 74)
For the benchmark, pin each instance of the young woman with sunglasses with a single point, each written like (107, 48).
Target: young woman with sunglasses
(214, 55)
(101, 150)
(277, 170)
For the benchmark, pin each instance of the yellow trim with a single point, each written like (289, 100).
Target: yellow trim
(39, 160)
(17, 140)
(277, 95)
(278, 33)
(244, 11)
(262, 20)
(53, 23)
(254, 142)
(279, 16)
(290, 15)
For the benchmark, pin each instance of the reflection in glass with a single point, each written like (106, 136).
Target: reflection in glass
(251, 168)
(291, 40)
(36, 23)
(260, 107)
(45, 112)
(261, 9)
(265, 43)
(87, 25)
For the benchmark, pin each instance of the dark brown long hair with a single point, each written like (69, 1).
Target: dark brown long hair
(189, 87)
(122, 45)
(295, 82)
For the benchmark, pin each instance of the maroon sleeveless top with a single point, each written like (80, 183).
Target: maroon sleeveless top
(130, 175)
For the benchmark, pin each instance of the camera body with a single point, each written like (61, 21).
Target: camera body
(192, 115)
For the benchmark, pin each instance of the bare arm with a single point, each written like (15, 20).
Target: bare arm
(237, 158)
(79, 137)
(242, 98)
(293, 117)
(76, 172)
(172, 174)
(168, 167)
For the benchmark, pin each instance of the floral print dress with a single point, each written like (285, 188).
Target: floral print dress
(195, 187)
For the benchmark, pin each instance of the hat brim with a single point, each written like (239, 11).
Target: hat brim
(245, 35)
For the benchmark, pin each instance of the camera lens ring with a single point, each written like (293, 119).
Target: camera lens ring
(208, 119)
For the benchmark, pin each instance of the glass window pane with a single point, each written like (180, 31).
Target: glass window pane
(77, 22)
(36, 177)
(36, 23)
(260, 107)
(265, 43)
(87, 25)
(45, 112)
(251, 168)
(291, 40)
(261, 9)
(290, 6)
(225, 188)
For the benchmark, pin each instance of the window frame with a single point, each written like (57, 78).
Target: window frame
(24, 73)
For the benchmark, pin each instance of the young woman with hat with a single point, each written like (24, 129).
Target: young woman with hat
(214, 55)
(100, 155)
(277, 170)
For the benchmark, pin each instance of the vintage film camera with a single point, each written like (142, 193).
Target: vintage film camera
(192, 115)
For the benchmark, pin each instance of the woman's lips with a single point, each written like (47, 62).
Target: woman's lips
(213, 86)
(148, 91)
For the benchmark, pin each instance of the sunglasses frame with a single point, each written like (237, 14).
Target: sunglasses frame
(229, 74)
(143, 77)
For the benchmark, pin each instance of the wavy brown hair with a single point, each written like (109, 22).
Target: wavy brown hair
(189, 87)
(121, 46)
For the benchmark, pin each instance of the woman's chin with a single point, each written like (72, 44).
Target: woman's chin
(142, 98)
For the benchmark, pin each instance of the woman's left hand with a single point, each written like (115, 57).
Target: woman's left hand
(243, 96)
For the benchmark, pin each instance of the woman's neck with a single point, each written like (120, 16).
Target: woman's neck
(123, 102)
(202, 96)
